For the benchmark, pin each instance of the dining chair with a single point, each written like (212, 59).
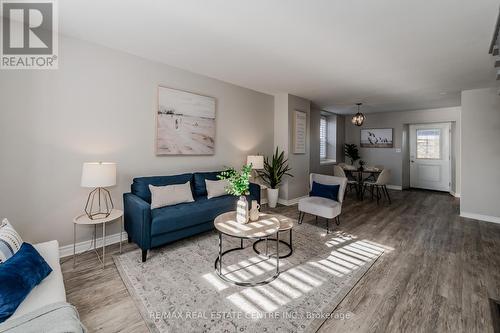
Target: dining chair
(372, 176)
(323, 207)
(379, 185)
(368, 176)
(338, 171)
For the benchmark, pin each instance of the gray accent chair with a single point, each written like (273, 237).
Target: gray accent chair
(323, 207)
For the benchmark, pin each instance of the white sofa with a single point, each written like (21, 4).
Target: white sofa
(51, 289)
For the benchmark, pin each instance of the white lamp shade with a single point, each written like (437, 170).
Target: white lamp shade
(98, 174)
(257, 161)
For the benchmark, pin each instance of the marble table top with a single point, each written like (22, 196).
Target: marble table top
(266, 225)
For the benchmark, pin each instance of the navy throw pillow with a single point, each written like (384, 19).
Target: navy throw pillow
(325, 191)
(18, 276)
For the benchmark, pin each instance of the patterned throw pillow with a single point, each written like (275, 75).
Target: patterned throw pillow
(10, 241)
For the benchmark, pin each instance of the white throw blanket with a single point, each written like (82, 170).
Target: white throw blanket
(55, 318)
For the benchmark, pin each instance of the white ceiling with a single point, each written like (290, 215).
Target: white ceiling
(389, 54)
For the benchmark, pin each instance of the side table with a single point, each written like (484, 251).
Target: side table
(85, 220)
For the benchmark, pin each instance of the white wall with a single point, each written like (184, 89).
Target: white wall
(392, 158)
(284, 106)
(481, 154)
(298, 186)
(100, 106)
(281, 130)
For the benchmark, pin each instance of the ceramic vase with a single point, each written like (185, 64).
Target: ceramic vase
(254, 211)
(242, 212)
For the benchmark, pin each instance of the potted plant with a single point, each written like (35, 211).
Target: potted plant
(272, 175)
(351, 152)
(239, 185)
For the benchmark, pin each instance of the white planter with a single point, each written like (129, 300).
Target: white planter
(272, 197)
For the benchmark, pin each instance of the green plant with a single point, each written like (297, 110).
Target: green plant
(351, 151)
(275, 169)
(239, 182)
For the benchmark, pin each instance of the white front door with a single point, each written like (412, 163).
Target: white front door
(430, 158)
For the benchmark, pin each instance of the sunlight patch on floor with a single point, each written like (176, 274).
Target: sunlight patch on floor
(339, 238)
(216, 281)
(290, 285)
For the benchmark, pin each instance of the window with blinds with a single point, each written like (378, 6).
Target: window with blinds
(322, 138)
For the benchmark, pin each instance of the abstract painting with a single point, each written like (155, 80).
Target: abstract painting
(185, 123)
(376, 138)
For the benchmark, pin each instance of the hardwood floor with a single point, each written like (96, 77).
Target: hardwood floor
(100, 296)
(437, 276)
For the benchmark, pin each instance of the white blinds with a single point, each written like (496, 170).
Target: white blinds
(322, 138)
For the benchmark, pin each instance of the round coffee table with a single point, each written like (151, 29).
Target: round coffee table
(226, 224)
(286, 224)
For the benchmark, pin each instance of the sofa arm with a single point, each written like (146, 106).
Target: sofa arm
(255, 192)
(137, 218)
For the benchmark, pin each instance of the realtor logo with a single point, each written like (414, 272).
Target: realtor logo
(29, 37)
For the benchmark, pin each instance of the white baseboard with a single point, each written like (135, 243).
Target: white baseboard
(456, 195)
(290, 202)
(395, 187)
(487, 218)
(67, 250)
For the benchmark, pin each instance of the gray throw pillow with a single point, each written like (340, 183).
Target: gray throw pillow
(169, 195)
(216, 188)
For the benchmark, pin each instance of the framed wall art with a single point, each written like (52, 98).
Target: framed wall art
(185, 123)
(299, 132)
(376, 138)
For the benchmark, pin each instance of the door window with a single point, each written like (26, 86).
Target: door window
(429, 143)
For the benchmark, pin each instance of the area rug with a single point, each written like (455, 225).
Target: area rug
(177, 289)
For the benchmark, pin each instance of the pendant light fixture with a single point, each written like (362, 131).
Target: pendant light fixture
(358, 118)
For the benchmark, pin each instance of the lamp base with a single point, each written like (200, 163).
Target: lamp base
(100, 207)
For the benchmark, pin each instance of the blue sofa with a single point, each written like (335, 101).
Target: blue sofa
(150, 228)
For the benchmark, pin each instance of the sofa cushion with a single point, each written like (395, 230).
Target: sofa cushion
(319, 206)
(140, 186)
(171, 218)
(19, 275)
(200, 188)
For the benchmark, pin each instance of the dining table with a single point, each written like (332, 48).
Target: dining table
(360, 175)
